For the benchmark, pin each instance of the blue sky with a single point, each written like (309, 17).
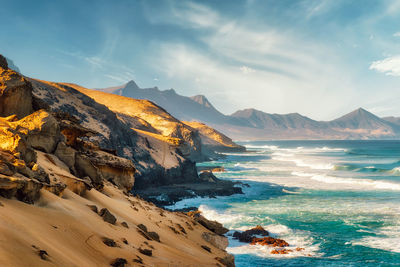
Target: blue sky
(321, 58)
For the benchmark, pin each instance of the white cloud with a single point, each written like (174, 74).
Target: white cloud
(396, 34)
(265, 90)
(288, 68)
(389, 66)
(246, 70)
(95, 62)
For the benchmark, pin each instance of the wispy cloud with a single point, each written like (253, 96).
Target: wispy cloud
(389, 66)
(277, 64)
(246, 70)
(396, 34)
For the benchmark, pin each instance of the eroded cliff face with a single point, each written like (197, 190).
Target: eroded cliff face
(153, 120)
(27, 142)
(156, 161)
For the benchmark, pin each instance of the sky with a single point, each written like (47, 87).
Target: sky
(320, 58)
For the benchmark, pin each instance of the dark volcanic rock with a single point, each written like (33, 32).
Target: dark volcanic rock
(147, 252)
(109, 242)
(119, 262)
(213, 226)
(154, 236)
(206, 248)
(248, 235)
(107, 216)
(169, 194)
(142, 227)
(269, 241)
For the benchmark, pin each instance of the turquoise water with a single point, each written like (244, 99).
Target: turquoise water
(339, 200)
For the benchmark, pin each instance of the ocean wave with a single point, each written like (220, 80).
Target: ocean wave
(387, 238)
(395, 171)
(270, 147)
(232, 220)
(353, 183)
(302, 163)
(384, 185)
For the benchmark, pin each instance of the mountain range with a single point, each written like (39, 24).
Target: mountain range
(252, 124)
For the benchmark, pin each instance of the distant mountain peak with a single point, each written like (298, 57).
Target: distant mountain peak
(131, 85)
(360, 113)
(202, 100)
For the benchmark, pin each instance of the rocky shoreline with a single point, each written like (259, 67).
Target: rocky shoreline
(207, 186)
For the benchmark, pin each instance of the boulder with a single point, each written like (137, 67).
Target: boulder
(85, 167)
(119, 262)
(107, 216)
(22, 188)
(248, 235)
(67, 155)
(147, 252)
(109, 242)
(269, 241)
(213, 226)
(142, 227)
(42, 130)
(14, 142)
(154, 236)
(15, 93)
(217, 241)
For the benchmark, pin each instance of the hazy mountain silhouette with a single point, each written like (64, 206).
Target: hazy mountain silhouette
(257, 125)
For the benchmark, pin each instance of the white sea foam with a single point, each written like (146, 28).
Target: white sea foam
(350, 183)
(232, 220)
(302, 163)
(226, 218)
(367, 183)
(387, 238)
(396, 171)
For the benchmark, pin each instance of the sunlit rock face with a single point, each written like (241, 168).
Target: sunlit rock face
(15, 92)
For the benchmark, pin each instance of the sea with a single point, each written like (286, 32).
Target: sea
(337, 201)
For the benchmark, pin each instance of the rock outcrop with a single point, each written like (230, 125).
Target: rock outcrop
(217, 241)
(15, 92)
(214, 140)
(156, 162)
(213, 226)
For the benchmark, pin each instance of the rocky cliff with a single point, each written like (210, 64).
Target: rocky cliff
(152, 120)
(59, 149)
(214, 140)
(156, 163)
